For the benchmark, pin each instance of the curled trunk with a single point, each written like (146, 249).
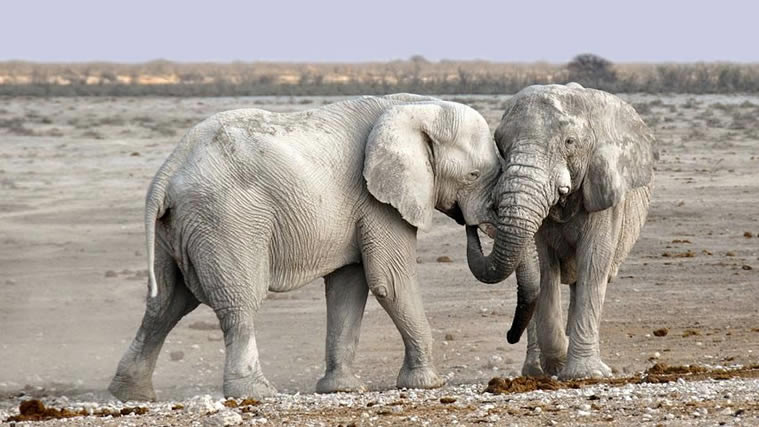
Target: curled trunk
(523, 206)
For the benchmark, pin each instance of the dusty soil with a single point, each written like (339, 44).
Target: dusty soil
(73, 173)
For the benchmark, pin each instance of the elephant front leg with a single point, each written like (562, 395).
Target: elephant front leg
(405, 309)
(584, 354)
(389, 261)
(551, 335)
(346, 291)
(532, 366)
(595, 258)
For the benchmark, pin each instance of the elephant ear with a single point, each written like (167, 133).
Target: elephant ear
(624, 154)
(398, 161)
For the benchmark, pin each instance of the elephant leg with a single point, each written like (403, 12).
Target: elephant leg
(243, 376)
(531, 367)
(418, 370)
(235, 280)
(551, 335)
(389, 254)
(133, 379)
(346, 291)
(596, 256)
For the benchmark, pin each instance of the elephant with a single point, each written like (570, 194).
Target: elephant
(571, 202)
(252, 201)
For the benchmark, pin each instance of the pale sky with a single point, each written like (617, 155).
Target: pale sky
(378, 30)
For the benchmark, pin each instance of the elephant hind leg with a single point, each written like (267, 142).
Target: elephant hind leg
(133, 379)
(234, 281)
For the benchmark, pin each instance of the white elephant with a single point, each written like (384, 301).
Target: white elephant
(252, 201)
(575, 190)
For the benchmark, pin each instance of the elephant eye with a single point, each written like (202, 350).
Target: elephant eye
(569, 141)
(473, 175)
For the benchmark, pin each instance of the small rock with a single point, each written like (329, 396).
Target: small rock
(748, 234)
(449, 337)
(661, 332)
(176, 355)
(134, 154)
(223, 418)
(447, 400)
(111, 273)
(203, 404)
(444, 258)
(746, 267)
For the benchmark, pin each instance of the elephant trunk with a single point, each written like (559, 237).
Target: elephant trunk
(521, 212)
(524, 204)
(528, 288)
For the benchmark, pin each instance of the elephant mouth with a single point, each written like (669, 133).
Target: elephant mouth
(454, 212)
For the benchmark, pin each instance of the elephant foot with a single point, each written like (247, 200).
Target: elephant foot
(339, 381)
(424, 377)
(126, 389)
(552, 365)
(589, 367)
(256, 387)
(532, 367)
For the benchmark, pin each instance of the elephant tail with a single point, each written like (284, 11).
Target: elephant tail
(154, 208)
(156, 204)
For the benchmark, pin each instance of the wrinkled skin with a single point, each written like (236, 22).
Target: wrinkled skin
(252, 202)
(575, 188)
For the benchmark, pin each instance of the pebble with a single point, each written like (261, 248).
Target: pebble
(647, 402)
(223, 418)
(203, 404)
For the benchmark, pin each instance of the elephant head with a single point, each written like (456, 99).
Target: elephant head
(430, 155)
(565, 148)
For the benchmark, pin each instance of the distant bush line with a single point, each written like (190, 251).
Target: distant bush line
(417, 75)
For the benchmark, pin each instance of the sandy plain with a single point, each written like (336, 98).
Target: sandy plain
(73, 174)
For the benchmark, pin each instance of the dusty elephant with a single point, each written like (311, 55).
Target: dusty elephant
(252, 201)
(575, 190)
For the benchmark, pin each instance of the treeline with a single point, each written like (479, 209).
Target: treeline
(164, 78)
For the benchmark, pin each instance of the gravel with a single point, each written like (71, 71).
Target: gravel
(709, 402)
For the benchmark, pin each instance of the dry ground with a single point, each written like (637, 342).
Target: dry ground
(73, 173)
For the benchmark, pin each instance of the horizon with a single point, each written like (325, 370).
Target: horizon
(86, 31)
(367, 62)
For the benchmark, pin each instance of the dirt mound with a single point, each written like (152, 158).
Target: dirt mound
(521, 385)
(659, 373)
(35, 410)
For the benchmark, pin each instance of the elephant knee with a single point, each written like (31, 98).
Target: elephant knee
(379, 291)
(382, 290)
